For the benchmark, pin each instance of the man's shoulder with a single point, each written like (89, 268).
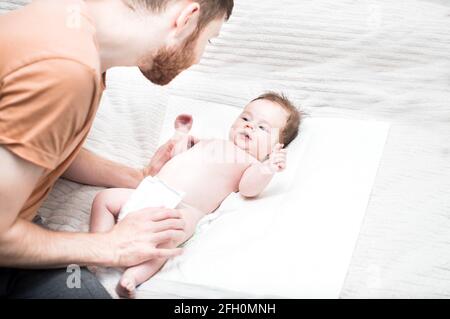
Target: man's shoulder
(52, 75)
(47, 30)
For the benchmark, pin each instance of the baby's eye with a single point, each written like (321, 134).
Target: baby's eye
(245, 119)
(264, 128)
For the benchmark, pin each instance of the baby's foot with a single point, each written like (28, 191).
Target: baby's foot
(126, 288)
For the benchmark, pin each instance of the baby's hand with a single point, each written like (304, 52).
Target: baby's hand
(183, 123)
(277, 160)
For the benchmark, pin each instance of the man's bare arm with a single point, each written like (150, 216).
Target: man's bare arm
(18, 179)
(26, 245)
(91, 169)
(21, 242)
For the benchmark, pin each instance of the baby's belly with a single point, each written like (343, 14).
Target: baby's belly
(205, 185)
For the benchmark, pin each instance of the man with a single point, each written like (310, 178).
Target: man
(53, 57)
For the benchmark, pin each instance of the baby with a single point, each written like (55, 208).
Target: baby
(199, 177)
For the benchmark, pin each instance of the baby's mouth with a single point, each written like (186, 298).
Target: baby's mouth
(246, 136)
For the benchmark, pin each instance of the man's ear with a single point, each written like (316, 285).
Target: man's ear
(187, 21)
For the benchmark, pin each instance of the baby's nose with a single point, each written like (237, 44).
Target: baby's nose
(248, 125)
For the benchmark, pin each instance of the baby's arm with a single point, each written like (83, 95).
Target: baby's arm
(258, 175)
(254, 180)
(183, 141)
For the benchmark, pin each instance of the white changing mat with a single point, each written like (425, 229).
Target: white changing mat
(296, 240)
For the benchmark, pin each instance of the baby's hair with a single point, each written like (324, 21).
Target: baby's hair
(290, 131)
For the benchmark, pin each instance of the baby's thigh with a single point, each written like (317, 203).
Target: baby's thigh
(112, 199)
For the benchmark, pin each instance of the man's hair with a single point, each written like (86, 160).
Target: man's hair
(290, 130)
(209, 9)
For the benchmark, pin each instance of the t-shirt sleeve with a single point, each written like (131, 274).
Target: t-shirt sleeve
(43, 108)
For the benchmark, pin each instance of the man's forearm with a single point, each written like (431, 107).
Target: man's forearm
(91, 169)
(254, 180)
(26, 245)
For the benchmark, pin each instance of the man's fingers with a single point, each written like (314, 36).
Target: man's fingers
(167, 224)
(165, 253)
(161, 156)
(165, 148)
(169, 148)
(164, 213)
(167, 235)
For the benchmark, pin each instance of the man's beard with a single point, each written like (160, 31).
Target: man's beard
(169, 62)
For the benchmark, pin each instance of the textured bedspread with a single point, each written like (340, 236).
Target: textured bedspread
(383, 60)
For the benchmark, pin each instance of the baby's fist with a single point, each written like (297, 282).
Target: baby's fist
(183, 123)
(277, 159)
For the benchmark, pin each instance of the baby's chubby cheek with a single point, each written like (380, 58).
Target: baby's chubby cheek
(232, 136)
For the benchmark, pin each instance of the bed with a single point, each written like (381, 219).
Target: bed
(368, 61)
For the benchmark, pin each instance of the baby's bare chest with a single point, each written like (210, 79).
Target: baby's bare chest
(206, 173)
(208, 160)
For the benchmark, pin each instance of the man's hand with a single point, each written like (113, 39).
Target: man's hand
(91, 169)
(161, 157)
(135, 239)
(27, 245)
(164, 153)
(180, 142)
(277, 160)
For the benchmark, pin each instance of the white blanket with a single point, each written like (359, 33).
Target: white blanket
(368, 59)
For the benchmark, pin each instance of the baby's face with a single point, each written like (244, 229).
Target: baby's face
(257, 130)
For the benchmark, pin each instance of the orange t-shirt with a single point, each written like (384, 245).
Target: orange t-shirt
(50, 87)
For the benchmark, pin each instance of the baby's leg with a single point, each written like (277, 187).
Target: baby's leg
(106, 207)
(134, 276)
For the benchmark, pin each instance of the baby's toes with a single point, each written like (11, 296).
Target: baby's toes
(126, 288)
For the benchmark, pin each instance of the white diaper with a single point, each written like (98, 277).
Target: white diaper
(151, 192)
